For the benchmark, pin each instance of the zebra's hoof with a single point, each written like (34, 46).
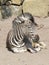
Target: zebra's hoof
(42, 45)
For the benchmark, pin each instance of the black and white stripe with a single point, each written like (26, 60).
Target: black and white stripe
(21, 27)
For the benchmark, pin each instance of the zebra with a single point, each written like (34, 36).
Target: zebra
(22, 36)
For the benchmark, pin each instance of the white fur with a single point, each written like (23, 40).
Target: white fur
(18, 50)
(37, 47)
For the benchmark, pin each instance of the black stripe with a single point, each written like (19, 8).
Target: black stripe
(18, 32)
(14, 41)
(21, 33)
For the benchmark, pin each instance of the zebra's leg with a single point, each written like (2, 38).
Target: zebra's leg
(34, 48)
(42, 45)
(19, 50)
(33, 44)
(28, 45)
(37, 47)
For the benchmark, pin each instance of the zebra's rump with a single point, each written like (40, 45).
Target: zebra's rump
(12, 43)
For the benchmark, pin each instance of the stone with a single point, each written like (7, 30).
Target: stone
(5, 9)
(36, 7)
(6, 12)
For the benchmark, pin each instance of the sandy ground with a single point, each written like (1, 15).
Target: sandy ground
(9, 58)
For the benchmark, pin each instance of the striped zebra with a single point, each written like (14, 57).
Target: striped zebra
(23, 37)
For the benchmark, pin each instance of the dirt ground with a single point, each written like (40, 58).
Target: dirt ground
(26, 58)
